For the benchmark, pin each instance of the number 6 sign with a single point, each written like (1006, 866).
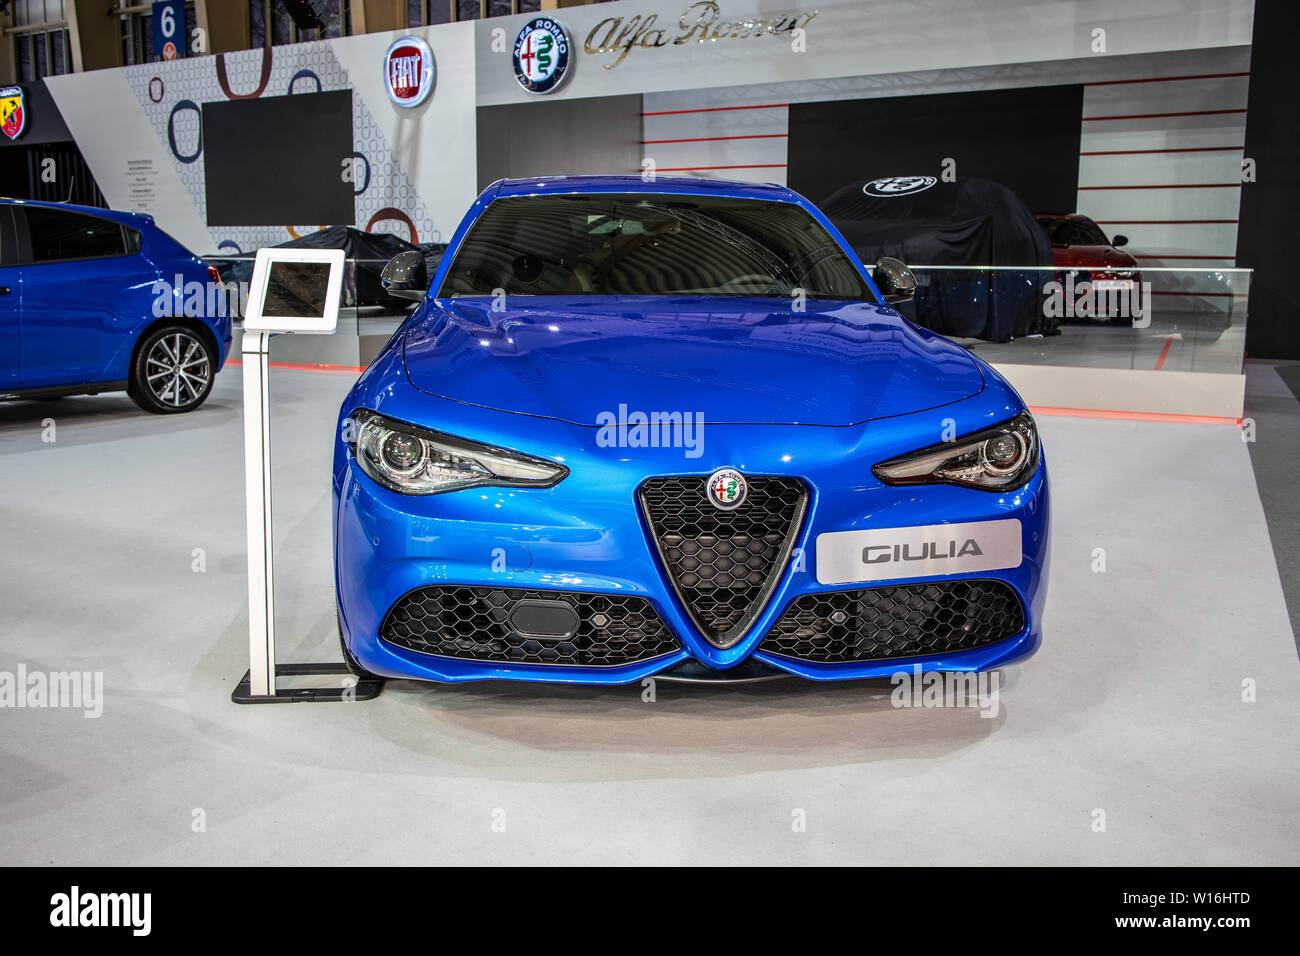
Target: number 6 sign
(169, 29)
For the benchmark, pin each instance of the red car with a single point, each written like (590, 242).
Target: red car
(1080, 247)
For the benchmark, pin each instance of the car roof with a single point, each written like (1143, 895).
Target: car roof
(684, 185)
(1078, 216)
(116, 215)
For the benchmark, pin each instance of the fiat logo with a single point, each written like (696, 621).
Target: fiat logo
(409, 72)
(726, 489)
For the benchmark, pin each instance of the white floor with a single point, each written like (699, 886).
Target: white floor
(1134, 706)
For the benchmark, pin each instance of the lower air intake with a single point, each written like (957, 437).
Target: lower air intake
(484, 624)
(911, 620)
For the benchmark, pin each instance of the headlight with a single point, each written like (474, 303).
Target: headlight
(996, 459)
(416, 461)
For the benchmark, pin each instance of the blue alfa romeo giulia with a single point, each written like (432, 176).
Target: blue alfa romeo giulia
(675, 428)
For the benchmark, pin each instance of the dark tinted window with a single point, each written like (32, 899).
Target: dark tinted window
(57, 235)
(651, 244)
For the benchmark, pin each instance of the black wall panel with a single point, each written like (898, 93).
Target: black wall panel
(278, 160)
(1025, 139)
(1266, 231)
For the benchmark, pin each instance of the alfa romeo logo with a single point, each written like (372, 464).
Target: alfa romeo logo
(409, 71)
(726, 488)
(541, 55)
(888, 187)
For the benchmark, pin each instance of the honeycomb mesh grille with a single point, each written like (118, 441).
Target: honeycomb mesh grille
(901, 621)
(472, 623)
(723, 564)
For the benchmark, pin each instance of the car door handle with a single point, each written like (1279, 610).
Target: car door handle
(5, 290)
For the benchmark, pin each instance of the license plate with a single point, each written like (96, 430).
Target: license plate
(879, 554)
(1107, 285)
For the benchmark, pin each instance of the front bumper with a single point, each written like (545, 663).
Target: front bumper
(587, 536)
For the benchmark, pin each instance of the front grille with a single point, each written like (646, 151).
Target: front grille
(900, 621)
(473, 623)
(723, 565)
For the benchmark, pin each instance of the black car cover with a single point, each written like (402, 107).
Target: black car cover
(972, 222)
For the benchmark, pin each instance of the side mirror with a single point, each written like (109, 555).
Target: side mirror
(895, 280)
(405, 277)
(1119, 240)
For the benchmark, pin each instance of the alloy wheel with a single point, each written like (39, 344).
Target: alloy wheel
(177, 369)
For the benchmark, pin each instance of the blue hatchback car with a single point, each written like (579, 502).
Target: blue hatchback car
(93, 300)
(674, 428)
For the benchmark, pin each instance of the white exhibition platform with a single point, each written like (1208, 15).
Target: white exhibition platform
(1133, 707)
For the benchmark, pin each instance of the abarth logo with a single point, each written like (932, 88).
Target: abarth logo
(541, 55)
(409, 71)
(930, 551)
(726, 488)
(890, 187)
(13, 115)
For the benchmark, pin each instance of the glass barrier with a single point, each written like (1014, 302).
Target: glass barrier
(365, 308)
(1154, 318)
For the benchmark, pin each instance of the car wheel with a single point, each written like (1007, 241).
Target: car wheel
(173, 371)
(351, 662)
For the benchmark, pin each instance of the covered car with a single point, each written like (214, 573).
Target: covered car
(979, 230)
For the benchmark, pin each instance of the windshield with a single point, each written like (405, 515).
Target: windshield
(1073, 232)
(650, 244)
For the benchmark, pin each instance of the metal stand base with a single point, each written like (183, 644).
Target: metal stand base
(364, 688)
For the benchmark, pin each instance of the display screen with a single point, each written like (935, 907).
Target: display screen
(296, 290)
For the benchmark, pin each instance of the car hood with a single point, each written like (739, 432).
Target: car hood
(732, 360)
(1092, 257)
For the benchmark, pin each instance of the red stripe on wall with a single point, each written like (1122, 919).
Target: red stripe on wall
(686, 169)
(1095, 119)
(1168, 222)
(1181, 149)
(717, 139)
(1167, 79)
(716, 109)
(1207, 295)
(1171, 186)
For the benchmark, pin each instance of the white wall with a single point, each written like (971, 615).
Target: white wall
(422, 161)
(849, 38)
(725, 136)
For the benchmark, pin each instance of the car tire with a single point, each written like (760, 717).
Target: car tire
(173, 370)
(351, 662)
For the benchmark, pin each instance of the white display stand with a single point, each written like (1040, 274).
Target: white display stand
(292, 290)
